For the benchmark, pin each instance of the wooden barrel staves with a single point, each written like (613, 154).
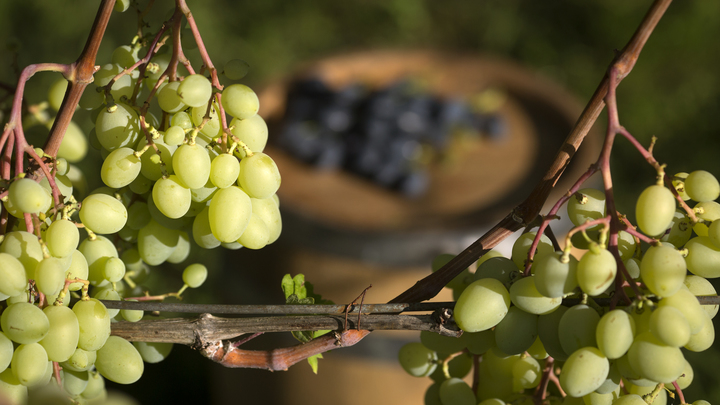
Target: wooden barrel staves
(347, 233)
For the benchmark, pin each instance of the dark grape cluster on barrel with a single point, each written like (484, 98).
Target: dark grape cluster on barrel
(385, 135)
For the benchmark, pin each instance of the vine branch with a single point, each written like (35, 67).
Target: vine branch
(208, 328)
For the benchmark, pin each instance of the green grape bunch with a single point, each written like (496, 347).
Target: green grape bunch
(601, 321)
(183, 169)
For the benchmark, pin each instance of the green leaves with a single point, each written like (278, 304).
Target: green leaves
(300, 292)
(295, 290)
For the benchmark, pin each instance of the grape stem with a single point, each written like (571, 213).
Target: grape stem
(56, 372)
(182, 6)
(679, 392)
(541, 390)
(79, 74)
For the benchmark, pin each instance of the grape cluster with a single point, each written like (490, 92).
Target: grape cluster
(516, 324)
(188, 178)
(387, 135)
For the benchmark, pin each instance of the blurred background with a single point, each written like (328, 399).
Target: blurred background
(564, 45)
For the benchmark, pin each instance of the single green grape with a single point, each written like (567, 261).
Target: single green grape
(120, 168)
(442, 344)
(172, 196)
(29, 196)
(655, 210)
(229, 214)
(702, 186)
(516, 332)
(224, 170)
(192, 165)
(253, 132)
(553, 278)
(24, 323)
(195, 275)
(596, 271)
(117, 127)
(63, 334)
(577, 328)
(614, 333)
(240, 101)
(156, 242)
(256, 235)
(12, 275)
(456, 392)
(586, 205)
(94, 321)
(669, 326)
(417, 360)
(119, 361)
(654, 360)
(169, 100)
(153, 352)
(524, 294)
(522, 246)
(29, 364)
(663, 270)
(236, 69)
(103, 214)
(195, 90)
(174, 135)
(482, 305)
(259, 176)
(584, 371)
(526, 373)
(62, 238)
(50, 276)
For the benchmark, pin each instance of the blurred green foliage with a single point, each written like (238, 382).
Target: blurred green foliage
(673, 93)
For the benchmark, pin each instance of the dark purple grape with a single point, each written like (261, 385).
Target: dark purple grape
(331, 155)
(336, 119)
(301, 140)
(495, 127)
(414, 184)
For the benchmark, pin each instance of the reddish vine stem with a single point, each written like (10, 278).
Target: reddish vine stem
(142, 64)
(679, 392)
(541, 390)
(228, 355)
(604, 164)
(79, 75)
(201, 45)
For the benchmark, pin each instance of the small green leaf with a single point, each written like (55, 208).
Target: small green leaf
(313, 361)
(319, 333)
(288, 286)
(300, 290)
(306, 301)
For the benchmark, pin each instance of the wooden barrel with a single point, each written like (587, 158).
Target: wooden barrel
(346, 233)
